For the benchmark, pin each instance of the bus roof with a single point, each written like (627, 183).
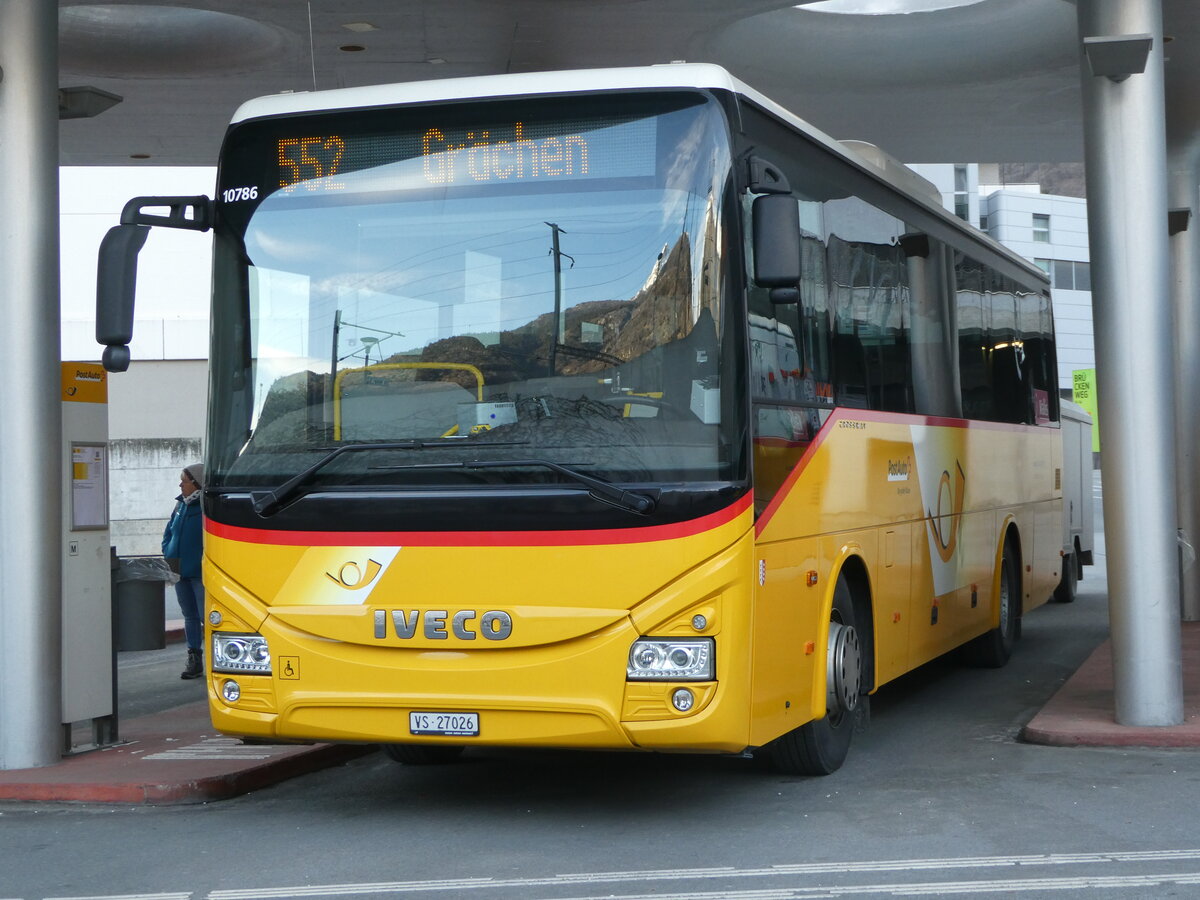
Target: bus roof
(676, 75)
(672, 75)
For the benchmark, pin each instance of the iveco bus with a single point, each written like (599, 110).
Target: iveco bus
(605, 409)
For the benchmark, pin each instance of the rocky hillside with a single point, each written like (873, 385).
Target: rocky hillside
(1064, 179)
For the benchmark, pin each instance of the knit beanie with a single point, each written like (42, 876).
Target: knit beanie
(196, 472)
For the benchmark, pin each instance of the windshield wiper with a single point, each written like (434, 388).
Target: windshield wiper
(267, 503)
(598, 488)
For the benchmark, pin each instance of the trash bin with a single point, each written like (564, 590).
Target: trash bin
(139, 585)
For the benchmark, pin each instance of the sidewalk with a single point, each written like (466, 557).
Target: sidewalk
(1081, 713)
(172, 757)
(176, 757)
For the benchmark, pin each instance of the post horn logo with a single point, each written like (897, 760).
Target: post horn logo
(351, 576)
(945, 533)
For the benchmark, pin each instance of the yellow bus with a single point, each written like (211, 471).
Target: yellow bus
(614, 409)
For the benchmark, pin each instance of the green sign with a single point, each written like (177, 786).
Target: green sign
(1083, 391)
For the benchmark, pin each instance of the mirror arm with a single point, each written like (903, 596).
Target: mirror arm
(764, 177)
(201, 209)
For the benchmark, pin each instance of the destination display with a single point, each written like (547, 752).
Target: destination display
(445, 155)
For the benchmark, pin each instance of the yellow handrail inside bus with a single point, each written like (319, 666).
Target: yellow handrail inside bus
(379, 367)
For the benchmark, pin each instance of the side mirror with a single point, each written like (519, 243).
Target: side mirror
(116, 271)
(116, 284)
(775, 220)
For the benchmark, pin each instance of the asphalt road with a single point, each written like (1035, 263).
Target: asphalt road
(938, 798)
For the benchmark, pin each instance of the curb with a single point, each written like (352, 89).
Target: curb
(171, 758)
(1081, 712)
(203, 789)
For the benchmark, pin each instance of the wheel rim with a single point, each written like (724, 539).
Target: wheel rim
(844, 676)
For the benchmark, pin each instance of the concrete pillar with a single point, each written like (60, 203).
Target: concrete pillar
(30, 416)
(1183, 178)
(1125, 151)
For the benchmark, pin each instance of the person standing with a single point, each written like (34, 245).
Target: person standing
(183, 546)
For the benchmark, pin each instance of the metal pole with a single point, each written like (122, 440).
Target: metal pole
(30, 408)
(1185, 301)
(556, 334)
(1125, 150)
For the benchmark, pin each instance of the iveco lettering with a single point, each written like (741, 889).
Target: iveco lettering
(440, 624)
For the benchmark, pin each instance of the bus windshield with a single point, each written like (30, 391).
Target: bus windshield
(488, 281)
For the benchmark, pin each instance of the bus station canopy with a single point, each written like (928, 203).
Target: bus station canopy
(928, 80)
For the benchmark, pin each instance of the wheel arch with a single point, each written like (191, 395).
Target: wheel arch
(1010, 537)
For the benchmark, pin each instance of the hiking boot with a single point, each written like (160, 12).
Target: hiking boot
(195, 665)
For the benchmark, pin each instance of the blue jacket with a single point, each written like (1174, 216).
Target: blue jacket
(183, 538)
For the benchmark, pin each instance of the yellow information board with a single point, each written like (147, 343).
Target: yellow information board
(84, 383)
(1083, 391)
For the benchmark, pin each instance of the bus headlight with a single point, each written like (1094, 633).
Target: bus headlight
(651, 659)
(240, 653)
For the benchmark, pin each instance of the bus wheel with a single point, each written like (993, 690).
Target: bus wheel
(820, 747)
(422, 754)
(992, 650)
(1065, 592)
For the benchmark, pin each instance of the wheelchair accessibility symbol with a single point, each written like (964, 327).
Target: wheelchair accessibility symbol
(289, 668)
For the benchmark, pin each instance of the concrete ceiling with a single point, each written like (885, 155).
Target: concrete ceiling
(992, 80)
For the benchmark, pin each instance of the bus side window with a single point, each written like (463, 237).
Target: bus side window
(871, 359)
(816, 352)
(851, 381)
(974, 341)
(1013, 398)
(1040, 365)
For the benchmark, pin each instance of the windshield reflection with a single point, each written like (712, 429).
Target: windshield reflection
(579, 323)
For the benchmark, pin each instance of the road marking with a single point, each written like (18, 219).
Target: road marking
(932, 889)
(170, 895)
(796, 869)
(395, 887)
(222, 748)
(761, 894)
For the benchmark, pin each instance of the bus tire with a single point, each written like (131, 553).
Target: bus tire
(1067, 585)
(422, 754)
(820, 747)
(993, 649)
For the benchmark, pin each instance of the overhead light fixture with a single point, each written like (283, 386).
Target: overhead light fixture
(1116, 57)
(435, 61)
(84, 102)
(1177, 220)
(883, 7)
(351, 48)
(359, 27)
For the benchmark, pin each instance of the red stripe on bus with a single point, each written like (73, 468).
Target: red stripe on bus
(786, 487)
(481, 538)
(874, 415)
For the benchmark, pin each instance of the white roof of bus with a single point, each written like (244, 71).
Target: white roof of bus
(673, 75)
(695, 75)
